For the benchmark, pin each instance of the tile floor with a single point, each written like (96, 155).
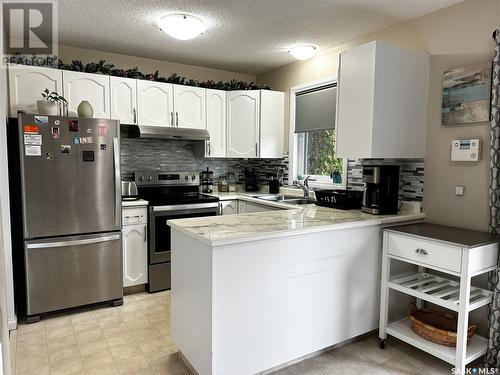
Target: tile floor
(130, 339)
(135, 339)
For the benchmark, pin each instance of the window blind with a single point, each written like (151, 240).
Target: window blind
(315, 109)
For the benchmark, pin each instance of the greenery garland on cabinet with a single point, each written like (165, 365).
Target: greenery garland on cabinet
(102, 67)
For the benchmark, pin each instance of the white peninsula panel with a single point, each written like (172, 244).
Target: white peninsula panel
(248, 302)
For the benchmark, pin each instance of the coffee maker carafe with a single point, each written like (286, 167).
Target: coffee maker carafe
(380, 195)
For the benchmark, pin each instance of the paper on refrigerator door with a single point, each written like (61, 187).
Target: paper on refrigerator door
(30, 150)
(33, 139)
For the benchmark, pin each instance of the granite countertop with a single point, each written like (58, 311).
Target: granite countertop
(223, 230)
(138, 202)
(450, 235)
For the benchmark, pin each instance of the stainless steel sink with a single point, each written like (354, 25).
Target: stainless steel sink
(291, 199)
(277, 198)
(299, 201)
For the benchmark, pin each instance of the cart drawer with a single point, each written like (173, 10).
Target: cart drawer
(428, 252)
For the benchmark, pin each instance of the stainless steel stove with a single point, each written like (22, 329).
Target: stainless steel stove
(170, 195)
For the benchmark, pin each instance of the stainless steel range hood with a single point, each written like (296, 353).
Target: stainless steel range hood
(164, 132)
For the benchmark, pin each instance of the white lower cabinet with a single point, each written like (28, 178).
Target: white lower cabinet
(229, 207)
(135, 246)
(245, 207)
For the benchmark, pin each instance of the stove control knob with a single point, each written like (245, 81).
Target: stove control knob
(149, 178)
(141, 178)
(193, 177)
(186, 178)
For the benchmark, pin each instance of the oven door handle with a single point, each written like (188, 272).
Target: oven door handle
(180, 207)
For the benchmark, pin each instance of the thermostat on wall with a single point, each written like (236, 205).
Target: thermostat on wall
(465, 149)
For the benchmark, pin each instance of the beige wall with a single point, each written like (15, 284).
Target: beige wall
(454, 36)
(166, 68)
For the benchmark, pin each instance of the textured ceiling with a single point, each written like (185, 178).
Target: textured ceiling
(248, 36)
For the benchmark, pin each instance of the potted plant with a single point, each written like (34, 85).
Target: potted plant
(51, 103)
(336, 174)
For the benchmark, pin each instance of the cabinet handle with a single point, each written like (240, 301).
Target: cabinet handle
(177, 119)
(208, 145)
(256, 149)
(132, 217)
(135, 116)
(171, 118)
(145, 234)
(421, 251)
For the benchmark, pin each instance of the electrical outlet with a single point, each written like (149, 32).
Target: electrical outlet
(459, 191)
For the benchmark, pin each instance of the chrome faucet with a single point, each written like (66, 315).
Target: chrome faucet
(304, 185)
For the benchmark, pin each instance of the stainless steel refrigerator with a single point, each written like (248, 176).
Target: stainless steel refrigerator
(71, 203)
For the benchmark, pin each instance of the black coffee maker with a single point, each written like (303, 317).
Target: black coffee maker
(380, 196)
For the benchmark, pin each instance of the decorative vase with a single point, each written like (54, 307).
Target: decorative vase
(85, 109)
(46, 107)
(336, 177)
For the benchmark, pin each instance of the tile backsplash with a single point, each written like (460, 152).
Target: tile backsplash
(179, 155)
(411, 175)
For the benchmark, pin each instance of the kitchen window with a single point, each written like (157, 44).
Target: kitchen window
(313, 136)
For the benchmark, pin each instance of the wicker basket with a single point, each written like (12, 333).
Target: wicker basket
(435, 326)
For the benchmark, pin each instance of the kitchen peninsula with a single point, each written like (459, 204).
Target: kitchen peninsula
(251, 292)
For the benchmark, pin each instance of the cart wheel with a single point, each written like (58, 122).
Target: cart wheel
(382, 344)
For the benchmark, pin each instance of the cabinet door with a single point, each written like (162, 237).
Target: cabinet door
(155, 103)
(216, 123)
(26, 85)
(189, 105)
(229, 207)
(272, 123)
(355, 100)
(124, 100)
(254, 207)
(242, 207)
(243, 109)
(135, 255)
(91, 87)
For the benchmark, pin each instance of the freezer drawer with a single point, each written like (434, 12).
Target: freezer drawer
(71, 271)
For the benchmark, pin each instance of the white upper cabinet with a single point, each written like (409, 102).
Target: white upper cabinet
(189, 105)
(26, 85)
(124, 100)
(272, 123)
(216, 123)
(155, 103)
(243, 112)
(93, 88)
(381, 102)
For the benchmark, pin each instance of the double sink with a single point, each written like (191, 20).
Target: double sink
(290, 199)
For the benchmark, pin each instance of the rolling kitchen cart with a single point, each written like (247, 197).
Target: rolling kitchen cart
(452, 251)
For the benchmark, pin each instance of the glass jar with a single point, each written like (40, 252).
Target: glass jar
(222, 187)
(231, 181)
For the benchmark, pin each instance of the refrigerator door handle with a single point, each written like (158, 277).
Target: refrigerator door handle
(118, 193)
(72, 242)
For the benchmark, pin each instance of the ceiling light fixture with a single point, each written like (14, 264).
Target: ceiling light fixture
(303, 51)
(182, 26)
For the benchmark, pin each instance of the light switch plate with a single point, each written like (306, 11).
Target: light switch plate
(459, 191)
